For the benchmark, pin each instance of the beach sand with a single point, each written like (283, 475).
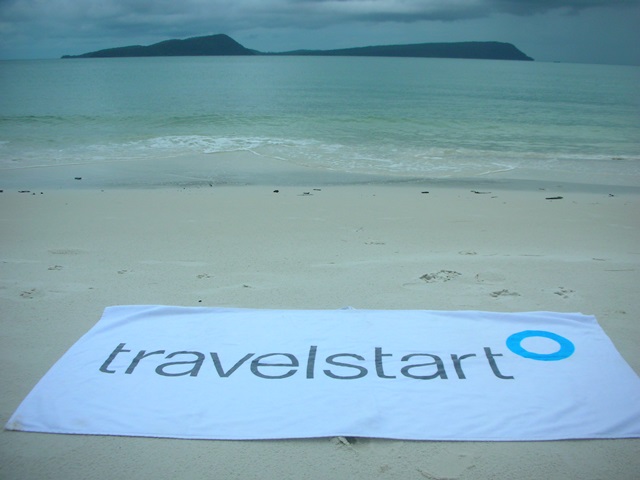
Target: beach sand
(69, 253)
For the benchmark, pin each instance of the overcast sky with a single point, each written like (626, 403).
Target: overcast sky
(591, 31)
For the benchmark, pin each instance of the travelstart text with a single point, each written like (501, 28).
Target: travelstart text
(275, 366)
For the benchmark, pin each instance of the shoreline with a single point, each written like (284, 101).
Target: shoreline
(241, 169)
(72, 251)
(72, 178)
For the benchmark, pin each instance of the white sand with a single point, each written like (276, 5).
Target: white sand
(68, 254)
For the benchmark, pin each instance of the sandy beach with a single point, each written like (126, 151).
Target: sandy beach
(506, 246)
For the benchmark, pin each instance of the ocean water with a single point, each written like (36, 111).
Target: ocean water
(376, 118)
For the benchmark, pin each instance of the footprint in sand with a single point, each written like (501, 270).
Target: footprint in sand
(563, 292)
(504, 293)
(441, 276)
(29, 294)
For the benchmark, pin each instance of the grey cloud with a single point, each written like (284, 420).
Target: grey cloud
(114, 13)
(411, 10)
(104, 23)
(532, 7)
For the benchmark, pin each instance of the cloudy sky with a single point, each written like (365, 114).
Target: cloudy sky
(591, 31)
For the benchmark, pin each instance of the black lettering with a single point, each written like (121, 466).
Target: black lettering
(260, 365)
(114, 354)
(494, 366)
(331, 361)
(195, 368)
(218, 365)
(379, 367)
(311, 362)
(456, 363)
(436, 361)
(256, 363)
(142, 354)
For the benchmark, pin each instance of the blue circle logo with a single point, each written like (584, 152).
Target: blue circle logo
(514, 343)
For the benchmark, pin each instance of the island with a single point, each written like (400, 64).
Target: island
(196, 46)
(222, 44)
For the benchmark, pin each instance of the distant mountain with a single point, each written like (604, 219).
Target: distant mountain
(196, 46)
(479, 50)
(224, 45)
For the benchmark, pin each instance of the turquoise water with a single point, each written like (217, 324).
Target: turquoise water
(390, 117)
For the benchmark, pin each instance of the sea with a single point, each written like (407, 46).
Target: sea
(287, 120)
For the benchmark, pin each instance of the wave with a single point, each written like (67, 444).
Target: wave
(208, 144)
(410, 159)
